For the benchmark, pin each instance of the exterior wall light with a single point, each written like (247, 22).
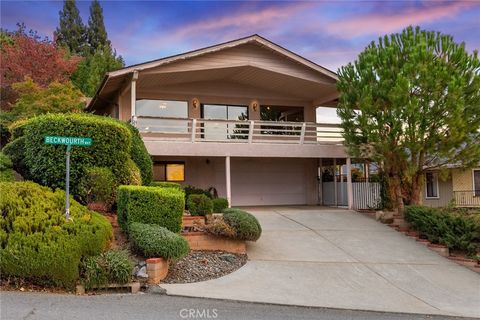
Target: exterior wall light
(195, 103)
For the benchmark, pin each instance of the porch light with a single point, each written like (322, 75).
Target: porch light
(195, 103)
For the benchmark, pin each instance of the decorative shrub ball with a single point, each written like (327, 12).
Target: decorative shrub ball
(199, 205)
(219, 204)
(246, 226)
(154, 241)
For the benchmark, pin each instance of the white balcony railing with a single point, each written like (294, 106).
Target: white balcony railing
(237, 131)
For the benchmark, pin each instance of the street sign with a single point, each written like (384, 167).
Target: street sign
(69, 141)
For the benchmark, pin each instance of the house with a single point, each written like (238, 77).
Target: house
(238, 116)
(452, 185)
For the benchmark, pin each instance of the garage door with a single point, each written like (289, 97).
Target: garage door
(268, 182)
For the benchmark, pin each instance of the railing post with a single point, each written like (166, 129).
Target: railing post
(302, 134)
(250, 131)
(194, 129)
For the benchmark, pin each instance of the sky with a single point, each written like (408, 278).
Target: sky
(330, 33)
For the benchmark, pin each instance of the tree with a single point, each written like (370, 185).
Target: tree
(34, 100)
(26, 55)
(71, 32)
(96, 32)
(411, 102)
(91, 70)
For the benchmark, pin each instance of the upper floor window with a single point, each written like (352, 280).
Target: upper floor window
(476, 182)
(161, 108)
(431, 185)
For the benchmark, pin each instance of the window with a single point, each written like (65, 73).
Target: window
(222, 130)
(431, 185)
(151, 112)
(476, 182)
(169, 171)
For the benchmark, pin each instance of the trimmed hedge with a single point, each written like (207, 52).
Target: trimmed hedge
(112, 147)
(15, 150)
(37, 243)
(113, 266)
(6, 171)
(151, 205)
(155, 241)
(219, 204)
(246, 226)
(98, 185)
(199, 205)
(452, 227)
(166, 184)
(194, 190)
(140, 156)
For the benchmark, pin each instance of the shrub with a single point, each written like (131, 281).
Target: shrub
(166, 184)
(155, 241)
(140, 156)
(113, 266)
(199, 205)
(446, 226)
(151, 205)
(219, 204)
(15, 150)
(246, 226)
(194, 190)
(6, 171)
(37, 243)
(98, 185)
(111, 148)
(218, 227)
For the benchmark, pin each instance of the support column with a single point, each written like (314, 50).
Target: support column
(320, 182)
(349, 184)
(133, 94)
(335, 187)
(228, 181)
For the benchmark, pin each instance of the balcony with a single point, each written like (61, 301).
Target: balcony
(468, 198)
(250, 138)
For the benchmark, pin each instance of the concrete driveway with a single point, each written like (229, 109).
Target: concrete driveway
(322, 257)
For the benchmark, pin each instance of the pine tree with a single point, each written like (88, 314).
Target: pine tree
(71, 33)
(97, 35)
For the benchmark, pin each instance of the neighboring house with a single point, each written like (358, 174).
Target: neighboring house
(457, 185)
(238, 116)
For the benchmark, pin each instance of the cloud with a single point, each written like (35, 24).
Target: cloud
(372, 23)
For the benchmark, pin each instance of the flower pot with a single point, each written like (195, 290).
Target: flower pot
(157, 270)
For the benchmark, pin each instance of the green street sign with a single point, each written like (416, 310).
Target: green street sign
(68, 141)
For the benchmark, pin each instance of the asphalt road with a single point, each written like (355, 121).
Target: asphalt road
(29, 306)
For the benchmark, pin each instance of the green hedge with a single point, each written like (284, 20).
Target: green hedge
(199, 205)
(166, 184)
(453, 228)
(113, 147)
(154, 241)
(6, 171)
(98, 185)
(246, 226)
(194, 190)
(113, 266)
(151, 205)
(15, 150)
(219, 204)
(36, 241)
(140, 156)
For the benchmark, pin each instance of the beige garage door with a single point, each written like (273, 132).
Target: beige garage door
(268, 182)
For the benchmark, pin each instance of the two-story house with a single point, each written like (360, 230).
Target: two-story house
(239, 116)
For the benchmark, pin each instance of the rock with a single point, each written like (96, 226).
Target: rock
(135, 270)
(228, 257)
(142, 263)
(142, 273)
(155, 289)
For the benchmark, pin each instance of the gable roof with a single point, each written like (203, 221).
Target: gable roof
(255, 39)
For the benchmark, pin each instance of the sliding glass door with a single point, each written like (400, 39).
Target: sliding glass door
(222, 130)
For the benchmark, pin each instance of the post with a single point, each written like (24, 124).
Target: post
(302, 134)
(228, 182)
(335, 181)
(320, 182)
(67, 183)
(194, 129)
(349, 184)
(250, 131)
(133, 95)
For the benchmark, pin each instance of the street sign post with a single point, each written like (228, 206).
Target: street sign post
(69, 142)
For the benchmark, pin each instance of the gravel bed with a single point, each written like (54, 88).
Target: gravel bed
(204, 265)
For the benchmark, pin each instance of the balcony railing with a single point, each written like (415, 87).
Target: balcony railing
(238, 131)
(469, 198)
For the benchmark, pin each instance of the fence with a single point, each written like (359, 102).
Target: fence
(366, 195)
(469, 198)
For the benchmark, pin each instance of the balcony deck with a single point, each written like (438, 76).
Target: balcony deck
(169, 136)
